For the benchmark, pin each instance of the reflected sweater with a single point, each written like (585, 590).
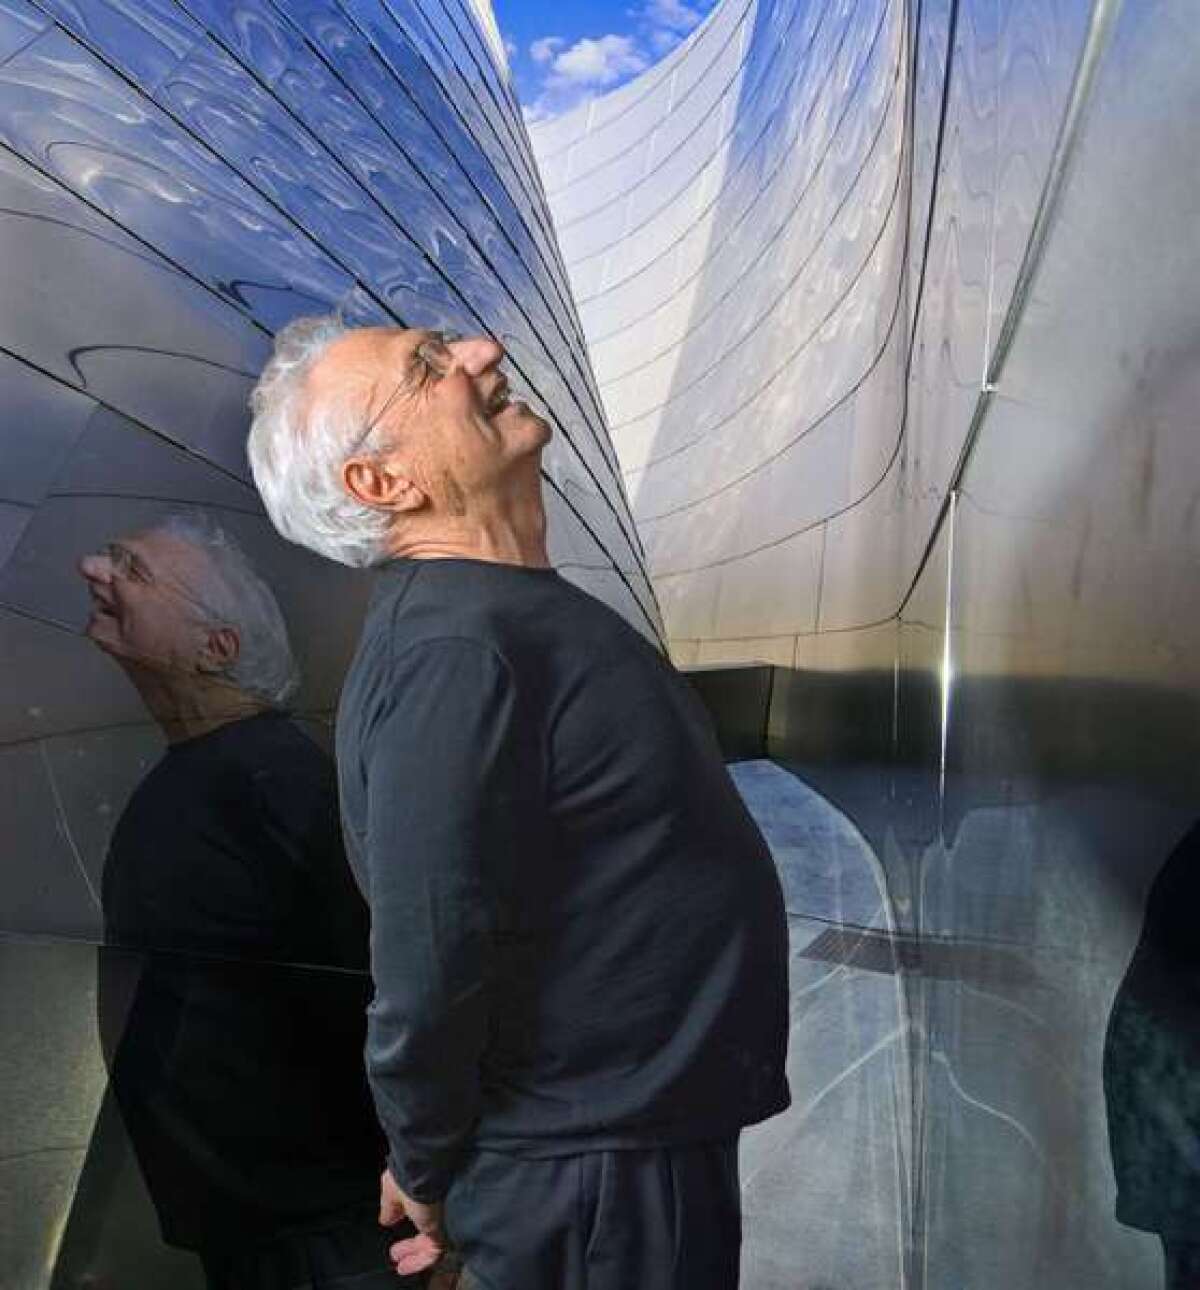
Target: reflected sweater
(238, 1067)
(578, 935)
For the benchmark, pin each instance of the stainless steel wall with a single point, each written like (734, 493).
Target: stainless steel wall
(178, 180)
(892, 308)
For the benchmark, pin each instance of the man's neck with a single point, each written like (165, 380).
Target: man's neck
(512, 531)
(185, 707)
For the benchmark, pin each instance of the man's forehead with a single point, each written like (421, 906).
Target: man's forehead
(354, 364)
(162, 552)
(365, 348)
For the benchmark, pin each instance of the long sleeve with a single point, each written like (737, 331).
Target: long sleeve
(441, 830)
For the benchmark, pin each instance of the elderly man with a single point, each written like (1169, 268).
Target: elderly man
(238, 1067)
(578, 936)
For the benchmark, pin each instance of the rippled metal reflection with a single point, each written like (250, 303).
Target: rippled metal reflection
(180, 179)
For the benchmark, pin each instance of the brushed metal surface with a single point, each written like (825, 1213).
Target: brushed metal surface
(900, 355)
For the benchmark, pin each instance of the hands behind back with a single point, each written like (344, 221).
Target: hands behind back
(414, 1253)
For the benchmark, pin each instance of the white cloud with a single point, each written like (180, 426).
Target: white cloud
(598, 62)
(542, 51)
(663, 41)
(674, 15)
(574, 74)
(662, 24)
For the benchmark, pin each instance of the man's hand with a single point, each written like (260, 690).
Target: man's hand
(415, 1253)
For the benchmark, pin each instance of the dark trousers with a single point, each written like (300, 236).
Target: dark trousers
(1183, 1264)
(657, 1219)
(349, 1255)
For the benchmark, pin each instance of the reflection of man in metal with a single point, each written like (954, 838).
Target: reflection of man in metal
(1152, 1070)
(578, 937)
(238, 1071)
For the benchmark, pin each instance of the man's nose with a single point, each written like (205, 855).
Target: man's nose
(96, 567)
(477, 353)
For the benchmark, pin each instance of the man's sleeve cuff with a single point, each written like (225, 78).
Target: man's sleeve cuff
(426, 1186)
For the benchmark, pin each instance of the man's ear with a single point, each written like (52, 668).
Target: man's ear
(381, 484)
(220, 650)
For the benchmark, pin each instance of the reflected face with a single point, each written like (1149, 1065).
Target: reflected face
(440, 401)
(144, 611)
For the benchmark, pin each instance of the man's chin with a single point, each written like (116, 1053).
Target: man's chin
(534, 431)
(545, 431)
(539, 441)
(99, 631)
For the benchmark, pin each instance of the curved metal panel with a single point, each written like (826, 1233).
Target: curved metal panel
(179, 180)
(886, 306)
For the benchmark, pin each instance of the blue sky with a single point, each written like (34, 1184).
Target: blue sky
(562, 51)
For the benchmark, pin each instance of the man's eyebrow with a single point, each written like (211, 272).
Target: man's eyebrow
(424, 337)
(432, 336)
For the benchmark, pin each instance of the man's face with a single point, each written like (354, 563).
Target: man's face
(144, 609)
(440, 403)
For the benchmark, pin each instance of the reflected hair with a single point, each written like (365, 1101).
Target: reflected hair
(297, 449)
(235, 595)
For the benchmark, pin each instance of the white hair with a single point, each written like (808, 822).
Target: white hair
(296, 453)
(234, 595)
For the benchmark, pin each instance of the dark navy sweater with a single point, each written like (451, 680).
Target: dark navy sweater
(578, 936)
